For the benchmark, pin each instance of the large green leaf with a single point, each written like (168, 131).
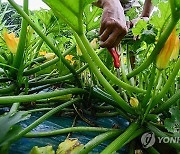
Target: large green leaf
(71, 11)
(173, 124)
(7, 123)
(44, 16)
(161, 16)
(92, 16)
(139, 27)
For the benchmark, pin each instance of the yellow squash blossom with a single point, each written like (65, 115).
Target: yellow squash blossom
(11, 41)
(134, 102)
(169, 51)
(175, 52)
(70, 58)
(42, 53)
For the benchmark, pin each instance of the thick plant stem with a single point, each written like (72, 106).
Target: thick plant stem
(98, 140)
(150, 87)
(43, 118)
(56, 80)
(102, 80)
(8, 90)
(157, 48)
(69, 130)
(159, 133)
(105, 70)
(14, 108)
(34, 97)
(41, 67)
(170, 80)
(134, 135)
(45, 38)
(40, 110)
(18, 61)
(119, 142)
(165, 106)
(46, 64)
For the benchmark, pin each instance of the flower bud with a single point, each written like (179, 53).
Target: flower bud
(134, 102)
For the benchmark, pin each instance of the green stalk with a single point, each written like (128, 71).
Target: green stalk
(34, 44)
(7, 67)
(156, 100)
(164, 36)
(2, 60)
(159, 82)
(34, 97)
(31, 50)
(173, 8)
(69, 130)
(123, 68)
(104, 114)
(150, 87)
(46, 64)
(105, 70)
(43, 118)
(119, 142)
(35, 61)
(41, 67)
(14, 108)
(129, 69)
(159, 133)
(56, 80)
(41, 77)
(134, 135)
(18, 60)
(51, 81)
(38, 48)
(153, 118)
(102, 80)
(45, 38)
(8, 90)
(166, 105)
(40, 110)
(98, 140)
(166, 87)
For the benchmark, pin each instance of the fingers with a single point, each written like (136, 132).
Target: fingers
(112, 41)
(112, 33)
(107, 32)
(116, 43)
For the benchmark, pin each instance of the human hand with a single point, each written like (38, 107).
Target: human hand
(113, 24)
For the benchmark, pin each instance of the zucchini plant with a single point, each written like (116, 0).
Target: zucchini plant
(143, 93)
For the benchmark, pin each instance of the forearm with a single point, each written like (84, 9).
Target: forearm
(147, 9)
(113, 23)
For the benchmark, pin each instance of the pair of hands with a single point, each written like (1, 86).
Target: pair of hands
(113, 24)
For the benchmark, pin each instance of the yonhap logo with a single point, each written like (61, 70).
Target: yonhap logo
(148, 139)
